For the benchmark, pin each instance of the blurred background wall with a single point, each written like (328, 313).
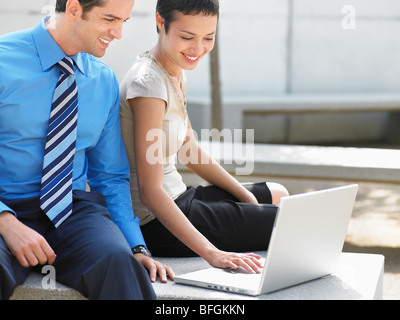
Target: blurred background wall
(276, 48)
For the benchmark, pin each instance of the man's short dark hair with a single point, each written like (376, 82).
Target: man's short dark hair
(87, 5)
(169, 8)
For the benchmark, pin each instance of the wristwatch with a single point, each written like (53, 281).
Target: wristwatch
(141, 249)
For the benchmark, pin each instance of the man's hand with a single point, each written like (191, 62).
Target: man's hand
(154, 267)
(28, 246)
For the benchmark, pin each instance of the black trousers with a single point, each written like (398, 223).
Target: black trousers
(93, 256)
(227, 223)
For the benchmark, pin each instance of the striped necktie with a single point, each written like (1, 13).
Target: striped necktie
(56, 184)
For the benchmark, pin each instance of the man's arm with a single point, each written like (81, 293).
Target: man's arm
(109, 174)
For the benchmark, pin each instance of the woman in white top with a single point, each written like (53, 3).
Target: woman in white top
(213, 222)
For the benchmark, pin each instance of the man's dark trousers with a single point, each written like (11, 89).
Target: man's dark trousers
(93, 256)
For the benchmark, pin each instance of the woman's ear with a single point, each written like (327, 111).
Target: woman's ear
(160, 22)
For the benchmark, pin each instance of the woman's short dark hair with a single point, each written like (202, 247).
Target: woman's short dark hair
(169, 8)
(87, 5)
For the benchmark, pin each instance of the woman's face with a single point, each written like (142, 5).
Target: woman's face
(189, 39)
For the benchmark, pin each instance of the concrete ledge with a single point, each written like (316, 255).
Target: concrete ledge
(307, 118)
(235, 107)
(310, 103)
(340, 163)
(32, 289)
(359, 276)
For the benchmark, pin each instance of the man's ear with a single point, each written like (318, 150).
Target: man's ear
(73, 10)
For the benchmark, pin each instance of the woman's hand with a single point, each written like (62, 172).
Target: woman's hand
(226, 260)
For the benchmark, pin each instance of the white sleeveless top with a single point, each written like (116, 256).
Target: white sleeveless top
(147, 78)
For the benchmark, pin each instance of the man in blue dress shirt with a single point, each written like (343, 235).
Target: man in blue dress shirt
(90, 252)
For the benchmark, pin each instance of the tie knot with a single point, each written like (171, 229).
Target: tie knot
(66, 65)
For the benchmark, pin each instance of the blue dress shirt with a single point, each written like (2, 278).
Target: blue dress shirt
(28, 77)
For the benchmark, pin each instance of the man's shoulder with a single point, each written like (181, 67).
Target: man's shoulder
(97, 66)
(17, 40)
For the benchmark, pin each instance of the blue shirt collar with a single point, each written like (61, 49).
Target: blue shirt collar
(49, 51)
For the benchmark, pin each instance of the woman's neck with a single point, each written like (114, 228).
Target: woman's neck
(169, 65)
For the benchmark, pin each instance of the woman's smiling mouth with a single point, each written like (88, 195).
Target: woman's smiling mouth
(191, 58)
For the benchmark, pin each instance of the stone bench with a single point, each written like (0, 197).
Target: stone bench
(32, 289)
(358, 276)
(235, 107)
(306, 118)
(315, 162)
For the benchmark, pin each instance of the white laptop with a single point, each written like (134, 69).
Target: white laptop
(306, 244)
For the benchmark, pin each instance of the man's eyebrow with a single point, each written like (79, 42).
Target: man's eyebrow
(108, 15)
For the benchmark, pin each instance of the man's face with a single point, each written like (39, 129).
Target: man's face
(94, 30)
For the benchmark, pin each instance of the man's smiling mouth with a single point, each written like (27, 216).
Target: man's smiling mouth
(104, 40)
